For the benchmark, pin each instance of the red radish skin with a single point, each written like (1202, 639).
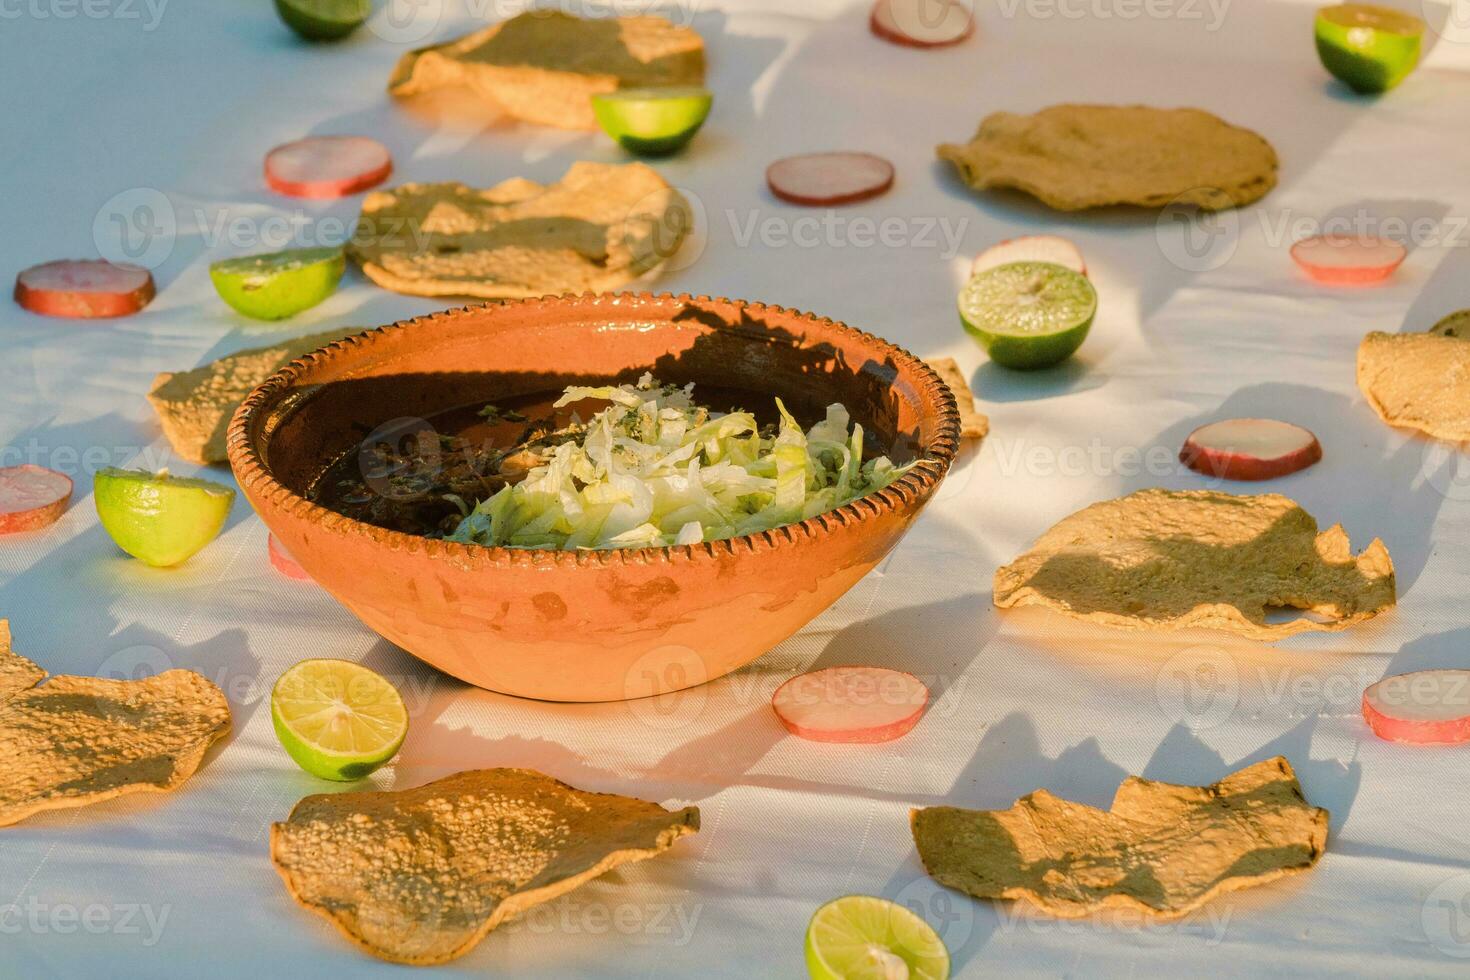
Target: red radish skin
(851, 704)
(825, 179)
(1031, 248)
(1427, 707)
(922, 23)
(31, 497)
(84, 289)
(1250, 449)
(282, 561)
(327, 166)
(1348, 260)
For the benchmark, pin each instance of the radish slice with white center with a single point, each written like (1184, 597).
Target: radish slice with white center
(84, 288)
(922, 23)
(851, 704)
(282, 561)
(1250, 449)
(1031, 248)
(327, 166)
(1348, 259)
(1427, 706)
(31, 497)
(823, 179)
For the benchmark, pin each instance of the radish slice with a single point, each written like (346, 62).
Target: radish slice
(84, 288)
(851, 704)
(922, 23)
(31, 497)
(327, 166)
(823, 179)
(1425, 706)
(1031, 248)
(1250, 449)
(1348, 259)
(282, 561)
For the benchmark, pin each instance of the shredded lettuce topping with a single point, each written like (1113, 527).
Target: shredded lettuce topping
(655, 469)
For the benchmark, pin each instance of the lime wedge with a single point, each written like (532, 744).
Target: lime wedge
(158, 518)
(281, 284)
(859, 937)
(1456, 324)
(1369, 48)
(652, 121)
(1028, 314)
(324, 20)
(336, 719)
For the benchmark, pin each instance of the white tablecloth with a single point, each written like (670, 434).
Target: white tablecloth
(160, 114)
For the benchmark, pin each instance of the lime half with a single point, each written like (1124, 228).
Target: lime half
(1456, 324)
(1028, 314)
(336, 719)
(859, 937)
(652, 121)
(1369, 48)
(158, 518)
(281, 284)
(324, 20)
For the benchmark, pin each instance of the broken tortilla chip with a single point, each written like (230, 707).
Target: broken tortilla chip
(1072, 157)
(1165, 559)
(422, 875)
(600, 227)
(195, 406)
(1418, 381)
(16, 672)
(544, 66)
(1161, 848)
(973, 425)
(74, 741)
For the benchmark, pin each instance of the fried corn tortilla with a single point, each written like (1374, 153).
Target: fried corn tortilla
(973, 425)
(1165, 559)
(1072, 157)
(544, 66)
(600, 227)
(422, 875)
(1419, 380)
(1161, 848)
(74, 741)
(194, 407)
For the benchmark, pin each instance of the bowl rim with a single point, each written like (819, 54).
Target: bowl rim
(913, 487)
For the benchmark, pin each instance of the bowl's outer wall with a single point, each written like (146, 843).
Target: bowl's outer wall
(591, 626)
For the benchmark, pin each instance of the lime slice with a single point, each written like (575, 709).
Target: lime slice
(281, 284)
(859, 937)
(336, 719)
(324, 20)
(1456, 324)
(652, 121)
(1369, 48)
(1028, 314)
(157, 518)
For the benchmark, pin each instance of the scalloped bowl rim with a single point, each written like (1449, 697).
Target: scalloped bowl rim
(929, 469)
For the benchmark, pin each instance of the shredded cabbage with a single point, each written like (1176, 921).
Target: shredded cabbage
(657, 469)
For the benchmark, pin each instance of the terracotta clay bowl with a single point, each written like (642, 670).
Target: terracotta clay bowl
(589, 625)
